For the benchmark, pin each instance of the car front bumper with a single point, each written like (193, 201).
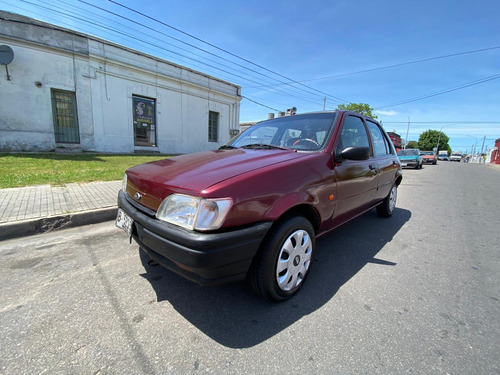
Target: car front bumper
(205, 258)
(410, 163)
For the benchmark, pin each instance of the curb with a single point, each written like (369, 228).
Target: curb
(37, 226)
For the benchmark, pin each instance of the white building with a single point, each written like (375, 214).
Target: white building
(68, 90)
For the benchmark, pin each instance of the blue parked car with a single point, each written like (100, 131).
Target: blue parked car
(410, 157)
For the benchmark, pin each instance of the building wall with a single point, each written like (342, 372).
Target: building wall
(494, 156)
(396, 140)
(104, 77)
(26, 122)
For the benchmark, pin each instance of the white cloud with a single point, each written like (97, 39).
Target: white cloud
(386, 113)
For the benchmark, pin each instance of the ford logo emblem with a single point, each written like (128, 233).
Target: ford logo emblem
(137, 196)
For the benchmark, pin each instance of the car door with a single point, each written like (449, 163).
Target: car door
(385, 159)
(356, 181)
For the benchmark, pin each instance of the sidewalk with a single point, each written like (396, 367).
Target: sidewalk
(42, 208)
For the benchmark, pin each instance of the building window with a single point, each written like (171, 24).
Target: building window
(66, 128)
(144, 121)
(213, 126)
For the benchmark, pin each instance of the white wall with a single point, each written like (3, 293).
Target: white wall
(105, 77)
(25, 110)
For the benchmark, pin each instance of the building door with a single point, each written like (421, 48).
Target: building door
(144, 121)
(64, 112)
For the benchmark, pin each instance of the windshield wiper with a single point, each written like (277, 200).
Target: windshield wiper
(227, 147)
(263, 146)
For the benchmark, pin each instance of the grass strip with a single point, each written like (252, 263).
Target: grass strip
(24, 169)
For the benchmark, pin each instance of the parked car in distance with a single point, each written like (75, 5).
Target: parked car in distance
(456, 156)
(443, 155)
(254, 208)
(429, 157)
(410, 157)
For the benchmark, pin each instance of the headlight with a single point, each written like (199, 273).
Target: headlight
(124, 183)
(194, 212)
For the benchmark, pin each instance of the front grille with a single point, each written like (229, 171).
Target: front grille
(140, 207)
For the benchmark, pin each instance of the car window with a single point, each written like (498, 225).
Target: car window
(307, 132)
(353, 134)
(409, 152)
(381, 147)
(263, 135)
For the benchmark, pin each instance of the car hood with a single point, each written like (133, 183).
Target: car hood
(410, 157)
(193, 173)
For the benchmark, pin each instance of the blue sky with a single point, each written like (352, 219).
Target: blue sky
(432, 64)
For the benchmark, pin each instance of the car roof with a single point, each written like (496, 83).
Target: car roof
(338, 111)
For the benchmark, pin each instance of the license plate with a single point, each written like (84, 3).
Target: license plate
(403, 164)
(124, 221)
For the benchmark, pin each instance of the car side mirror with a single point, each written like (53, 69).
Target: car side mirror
(354, 153)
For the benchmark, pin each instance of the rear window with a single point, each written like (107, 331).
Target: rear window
(408, 152)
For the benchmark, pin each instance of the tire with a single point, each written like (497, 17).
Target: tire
(284, 260)
(386, 208)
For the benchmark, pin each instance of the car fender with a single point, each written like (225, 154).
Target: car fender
(294, 200)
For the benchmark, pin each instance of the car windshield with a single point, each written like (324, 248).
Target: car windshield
(408, 153)
(299, 132)
(427, 153)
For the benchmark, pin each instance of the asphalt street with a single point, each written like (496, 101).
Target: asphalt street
(417, 293)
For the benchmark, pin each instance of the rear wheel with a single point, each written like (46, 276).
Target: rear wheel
(285, 259)
(386, 208)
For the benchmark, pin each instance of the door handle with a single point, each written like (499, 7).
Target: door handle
(373, 167)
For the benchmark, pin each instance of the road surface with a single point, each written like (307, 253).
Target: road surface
(417, 293)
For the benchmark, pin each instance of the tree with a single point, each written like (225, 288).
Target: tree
(361, 108)
(428, 140)
(412, 144)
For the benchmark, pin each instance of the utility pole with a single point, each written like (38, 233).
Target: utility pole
(324, 103)
(482, 147)
(407, 131)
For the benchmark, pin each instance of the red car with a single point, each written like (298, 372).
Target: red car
(429, 157)
(253, 208)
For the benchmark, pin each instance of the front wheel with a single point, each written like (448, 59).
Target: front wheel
(386, 208)
(283, 263)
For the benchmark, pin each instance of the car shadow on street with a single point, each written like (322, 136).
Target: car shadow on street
(235, 317)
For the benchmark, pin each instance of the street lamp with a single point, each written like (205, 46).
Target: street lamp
(439, 138)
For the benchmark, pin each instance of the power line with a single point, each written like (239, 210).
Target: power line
(263, 105)
(397, 65)
(465, 85)
(210, 53)
(149, 43)
(130, 36)
(224, 50)
(218, 66)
